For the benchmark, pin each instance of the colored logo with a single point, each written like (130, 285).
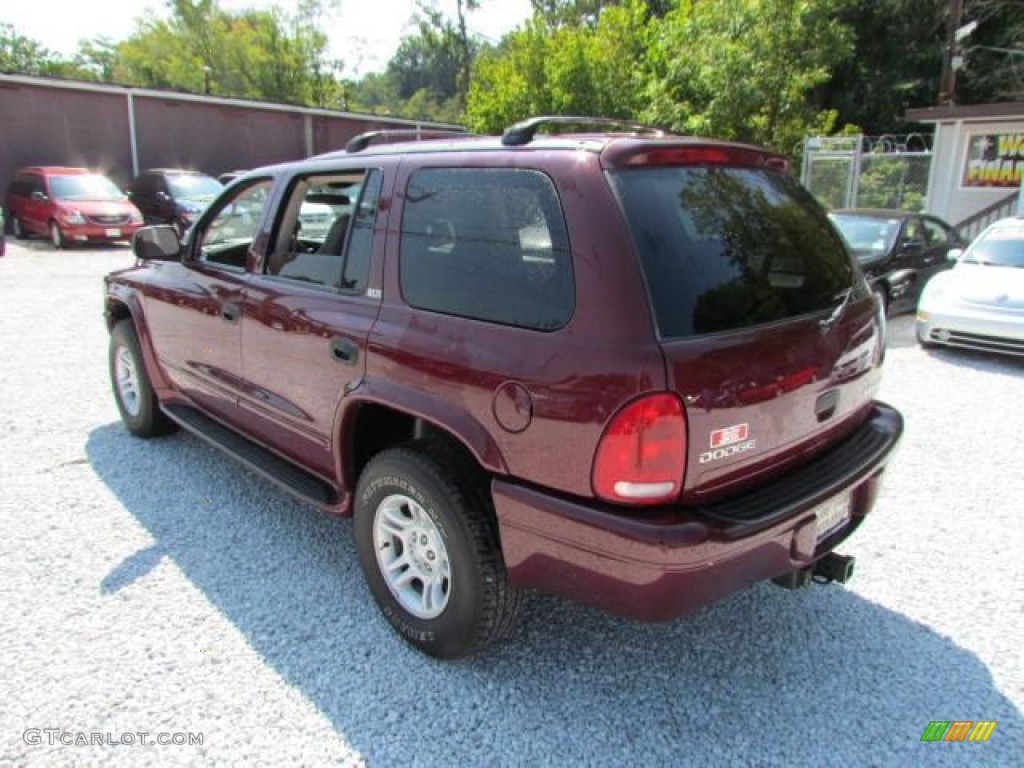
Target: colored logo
(958, 730)
(735, 434)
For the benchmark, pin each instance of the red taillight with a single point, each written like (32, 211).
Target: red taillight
(642, 454)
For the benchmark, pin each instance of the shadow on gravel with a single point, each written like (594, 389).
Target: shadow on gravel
(768, 677)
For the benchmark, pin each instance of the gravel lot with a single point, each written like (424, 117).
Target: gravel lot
(158, 587)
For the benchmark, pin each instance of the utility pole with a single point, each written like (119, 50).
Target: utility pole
(947, 81)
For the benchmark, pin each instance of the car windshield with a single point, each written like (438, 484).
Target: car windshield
(84, 187)
(727, 248)
(867, 236)
(194, 185)
(998, 248)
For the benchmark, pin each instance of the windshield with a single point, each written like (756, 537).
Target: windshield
(84, 187)
(194, 185)
(727, 248)
(868, 236)
(998, 248)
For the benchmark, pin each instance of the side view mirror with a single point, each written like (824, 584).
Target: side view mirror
(954, 254)
(159, 243)
(40, 196)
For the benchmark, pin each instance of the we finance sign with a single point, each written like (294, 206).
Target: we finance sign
(995, 160)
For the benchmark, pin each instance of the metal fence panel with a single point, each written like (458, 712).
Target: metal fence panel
(865, 172)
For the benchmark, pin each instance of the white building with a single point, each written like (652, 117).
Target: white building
(978, 166)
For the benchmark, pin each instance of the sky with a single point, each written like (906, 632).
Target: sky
(365, 32)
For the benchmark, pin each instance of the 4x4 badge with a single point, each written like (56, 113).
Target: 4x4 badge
(734, 434)
(729, 441)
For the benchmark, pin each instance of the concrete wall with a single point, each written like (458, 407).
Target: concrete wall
(57, 122)
(947, 196)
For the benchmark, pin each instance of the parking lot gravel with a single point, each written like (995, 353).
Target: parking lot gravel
(157, 587)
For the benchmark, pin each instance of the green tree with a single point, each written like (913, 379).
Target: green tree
(23, 55)
(264, 54)
(746, 69)
(563, 69)
(995, 52)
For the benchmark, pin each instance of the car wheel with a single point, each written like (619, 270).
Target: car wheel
(428, 546)
(133, 393)
(57, 236)
(17, 229)
(882, 297)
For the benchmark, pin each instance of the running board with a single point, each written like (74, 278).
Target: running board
(257, 458)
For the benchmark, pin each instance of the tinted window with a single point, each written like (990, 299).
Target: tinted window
(320, 239)
(487, 244)
(726, 248)
(938, 234)
(360, 243)
(913, 234)
(225, 239)
(194, 185)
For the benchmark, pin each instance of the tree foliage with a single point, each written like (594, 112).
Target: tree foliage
(563, 69)
(738, 69)
(765, 71)
(250, 54)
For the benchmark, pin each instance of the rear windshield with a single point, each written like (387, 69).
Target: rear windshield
(728, 248)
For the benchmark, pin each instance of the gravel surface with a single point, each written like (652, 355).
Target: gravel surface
(155, 586)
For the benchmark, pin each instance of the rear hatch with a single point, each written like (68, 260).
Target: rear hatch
(769, 333)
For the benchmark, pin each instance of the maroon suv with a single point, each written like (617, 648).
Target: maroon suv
(633, 369)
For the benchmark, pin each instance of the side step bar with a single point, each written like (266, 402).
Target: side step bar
(268, 464)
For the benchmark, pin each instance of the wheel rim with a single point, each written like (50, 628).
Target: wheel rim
(412, 557)
(126, 377)
(55, 235)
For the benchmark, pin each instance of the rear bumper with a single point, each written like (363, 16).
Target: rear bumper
(654, 566)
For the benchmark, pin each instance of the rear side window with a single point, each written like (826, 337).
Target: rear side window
(729, 248)
(487, 244)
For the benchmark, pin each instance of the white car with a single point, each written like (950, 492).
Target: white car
(979, 304)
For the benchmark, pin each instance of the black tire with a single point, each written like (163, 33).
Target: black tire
(142, 416)
(57, 236)
(18, 230)
(481, 606)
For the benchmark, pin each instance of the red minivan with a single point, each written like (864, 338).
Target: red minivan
(69, 205)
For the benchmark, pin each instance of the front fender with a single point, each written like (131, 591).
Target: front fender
(122, 295)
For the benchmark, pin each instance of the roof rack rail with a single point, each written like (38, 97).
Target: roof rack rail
(522, 133)
(363, 140)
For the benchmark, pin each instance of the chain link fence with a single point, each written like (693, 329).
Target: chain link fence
(868, 172)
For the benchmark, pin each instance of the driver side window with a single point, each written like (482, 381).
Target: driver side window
(226, 238)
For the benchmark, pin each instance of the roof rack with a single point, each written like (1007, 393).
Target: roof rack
(522, 133)
(363, 140)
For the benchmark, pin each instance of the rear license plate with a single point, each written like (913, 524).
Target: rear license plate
(832, 515)
(113, 233)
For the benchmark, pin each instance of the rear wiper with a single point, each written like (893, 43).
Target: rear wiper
(827, 324)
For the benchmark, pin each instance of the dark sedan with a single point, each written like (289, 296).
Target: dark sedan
(899, 251)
